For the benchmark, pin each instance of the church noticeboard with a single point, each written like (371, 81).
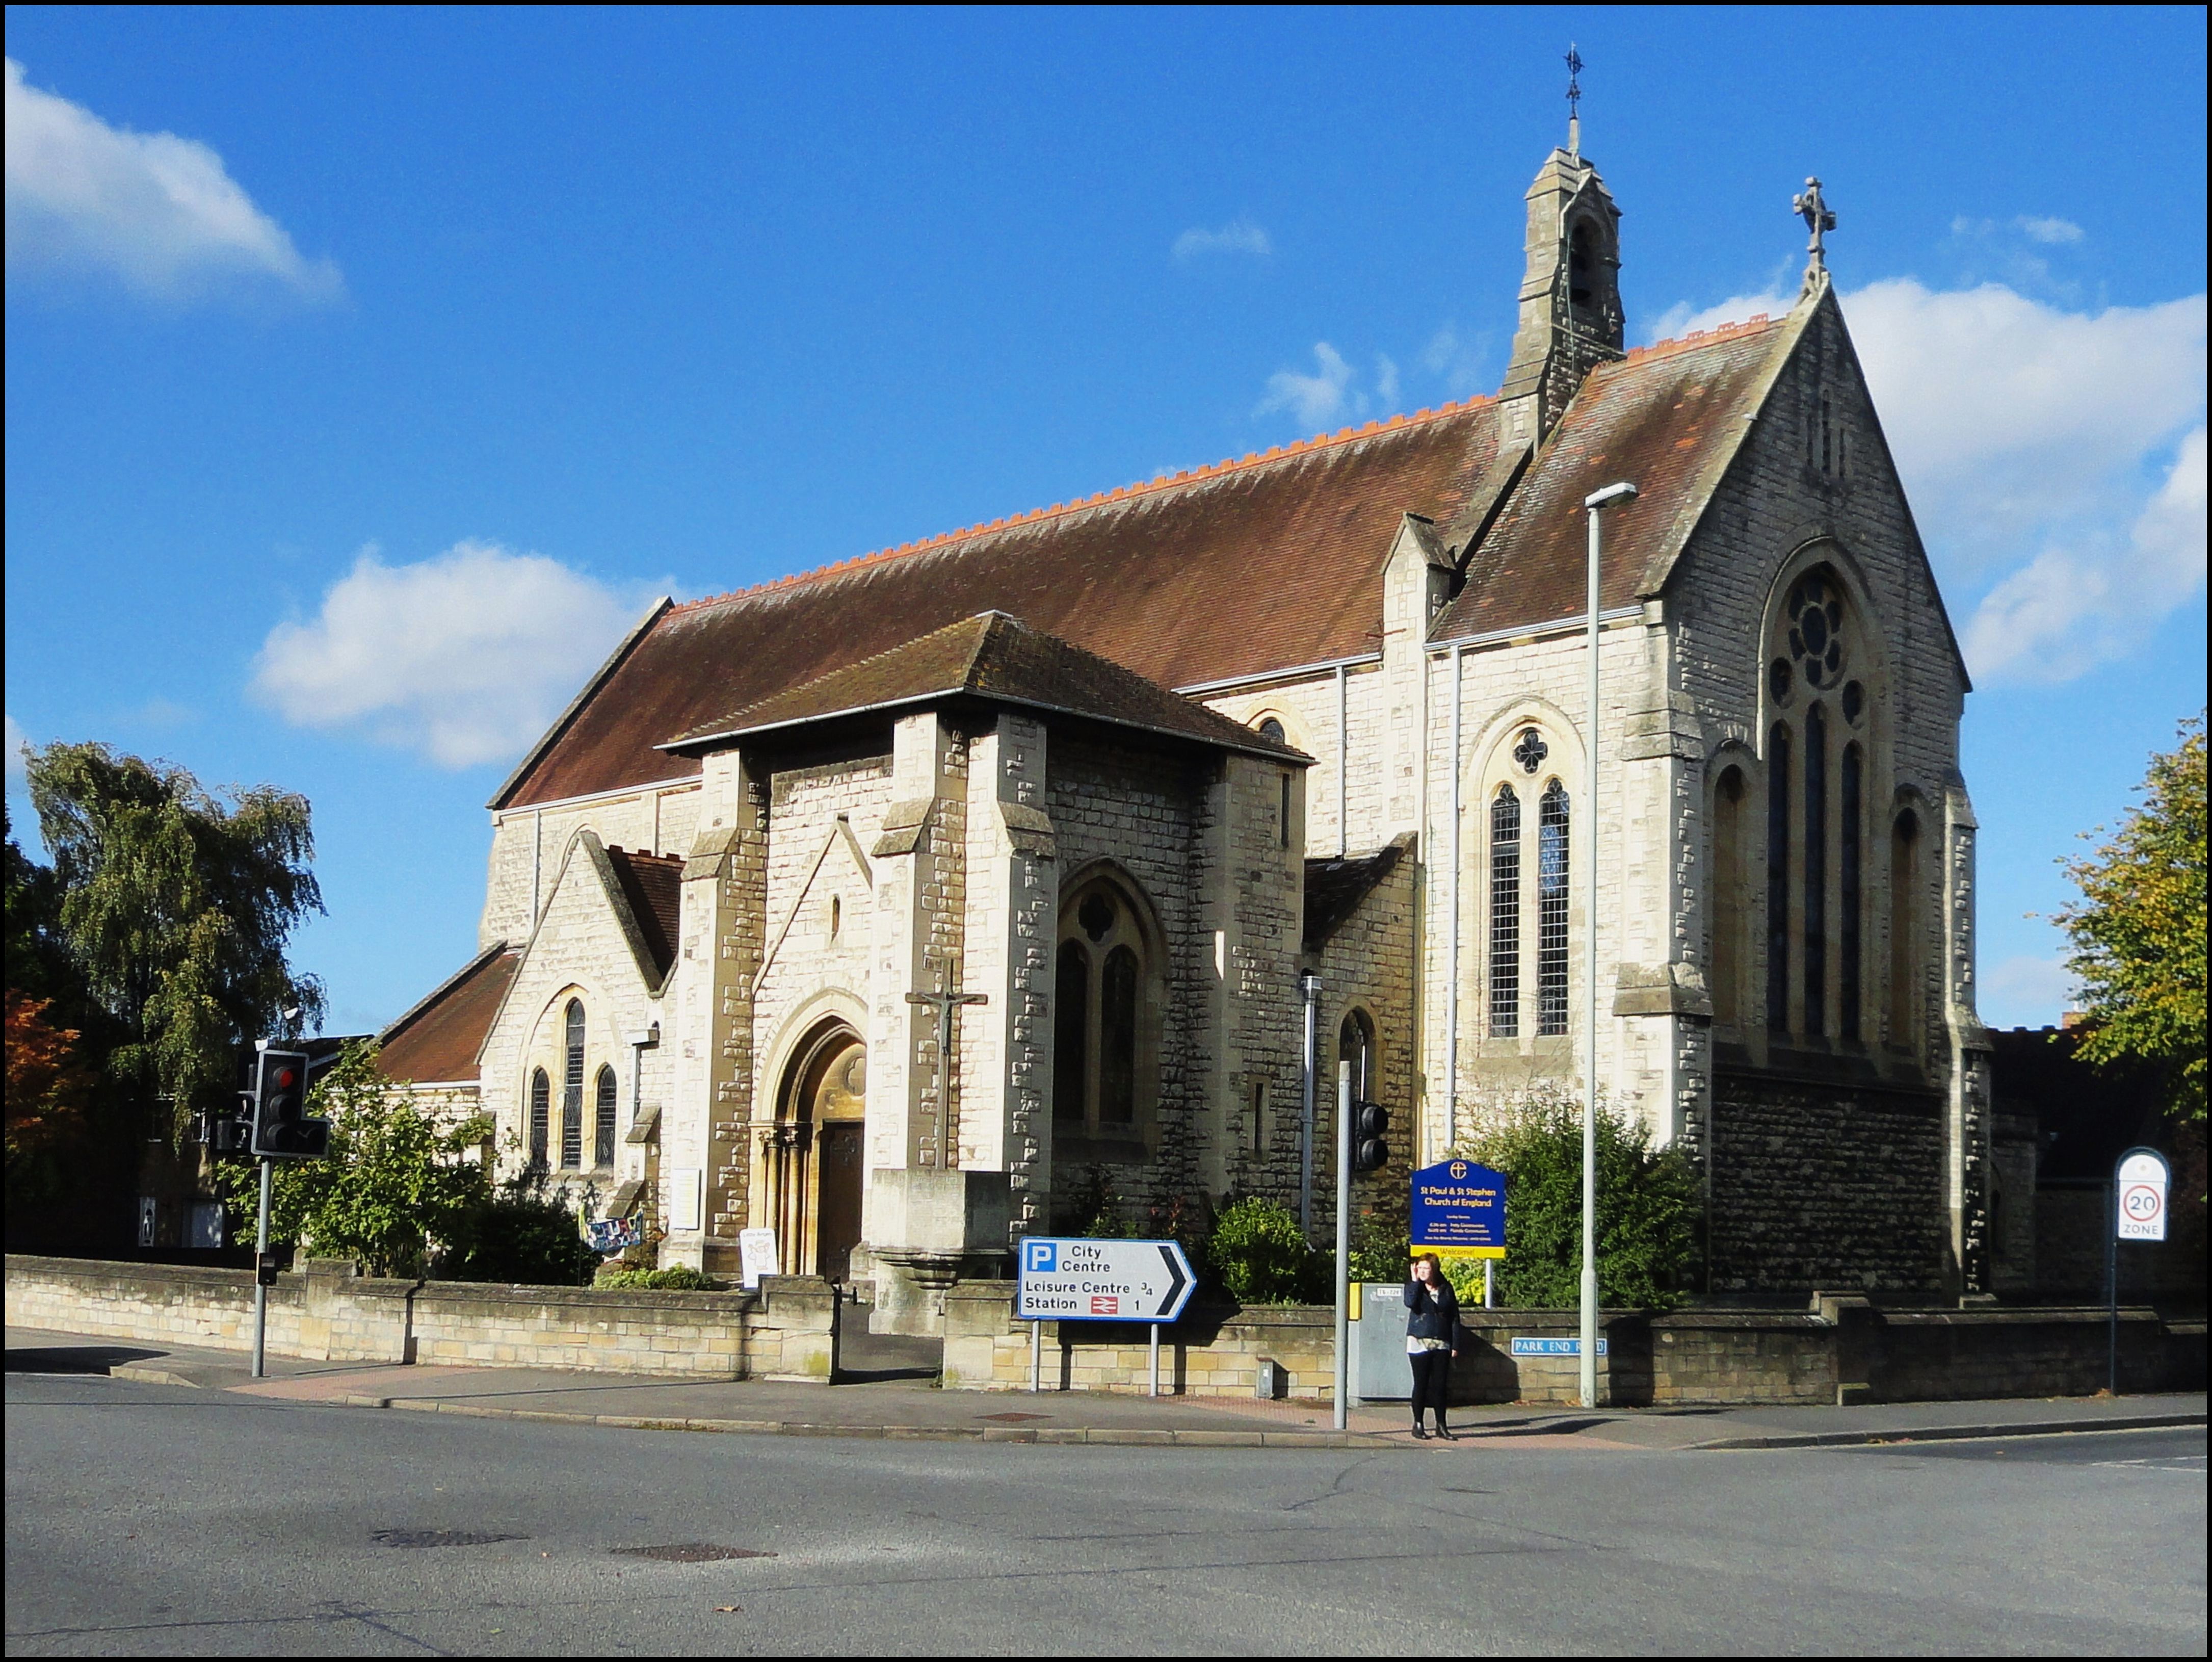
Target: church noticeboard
(1459, 1210)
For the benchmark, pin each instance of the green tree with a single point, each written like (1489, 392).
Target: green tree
(1649, 1212)
(399, 1182)
(174, 908)
(2138, 930)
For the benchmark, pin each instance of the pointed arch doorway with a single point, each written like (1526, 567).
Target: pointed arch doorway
(822, 1112)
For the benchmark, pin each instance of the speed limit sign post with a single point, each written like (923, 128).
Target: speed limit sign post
(2140, 1185)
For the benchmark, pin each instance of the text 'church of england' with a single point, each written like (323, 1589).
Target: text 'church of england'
(1133, 774)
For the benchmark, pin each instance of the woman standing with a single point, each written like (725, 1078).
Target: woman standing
(1431, 1339)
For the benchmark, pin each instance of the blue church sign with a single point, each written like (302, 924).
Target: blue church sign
(1459, 1209)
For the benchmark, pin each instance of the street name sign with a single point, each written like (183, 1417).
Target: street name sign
(1073, 1279)
(1552, 1346)
(2144, 1180)
(1458, 1210)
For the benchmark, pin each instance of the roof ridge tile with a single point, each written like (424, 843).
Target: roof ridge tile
(1139, 488)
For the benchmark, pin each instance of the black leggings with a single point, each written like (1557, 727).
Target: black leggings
(1431, 1372)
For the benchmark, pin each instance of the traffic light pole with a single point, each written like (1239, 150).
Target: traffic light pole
(1343, 1242)
(261, 1287)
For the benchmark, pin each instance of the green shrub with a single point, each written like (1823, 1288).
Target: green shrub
(678, 1278)
(1258, 1251)
(1649, 1208)
(524, 1234)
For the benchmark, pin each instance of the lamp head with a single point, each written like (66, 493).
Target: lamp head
(1613, 493)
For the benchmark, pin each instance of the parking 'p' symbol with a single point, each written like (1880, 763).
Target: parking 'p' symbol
(1040, 1257)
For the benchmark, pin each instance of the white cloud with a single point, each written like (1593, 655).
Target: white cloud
(2056, 454)
(1386, 380)
(2077, 605)
(2038, 228)
(2025, 992)
(1317, 399)
(2006, 414)
(1239, 236)
(463, 658)
(14, 740)
(160, 212)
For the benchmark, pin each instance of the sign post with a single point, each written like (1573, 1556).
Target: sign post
(1064, 1279)
(1343, 1242)
(2140, 1183)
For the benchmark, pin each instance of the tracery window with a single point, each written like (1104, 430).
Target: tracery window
(1526, 932)
(1505, 914)
(1730, 909)
(603, 1119)
(1818, 785)
(1904, 924)
(572, 1089)
(1106, 994)
(541, 1107)
(1551, 907)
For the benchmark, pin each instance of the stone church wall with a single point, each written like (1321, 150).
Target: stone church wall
(525, 840)
(1367, 964)
(1308, 710)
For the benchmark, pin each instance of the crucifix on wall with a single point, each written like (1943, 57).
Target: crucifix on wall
(945, 1001)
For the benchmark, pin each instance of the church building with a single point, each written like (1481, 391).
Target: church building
(913, 905)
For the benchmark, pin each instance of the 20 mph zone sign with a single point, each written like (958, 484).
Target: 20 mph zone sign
(2142, 1181)
(1067, 1280)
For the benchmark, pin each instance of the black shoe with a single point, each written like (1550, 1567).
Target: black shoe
(1419, 1436)
(1448, 1436)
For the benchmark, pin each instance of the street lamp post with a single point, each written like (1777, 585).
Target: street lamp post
(1595, 504)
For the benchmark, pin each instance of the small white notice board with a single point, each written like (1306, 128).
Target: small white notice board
(2142, 1180)
(756, 1256)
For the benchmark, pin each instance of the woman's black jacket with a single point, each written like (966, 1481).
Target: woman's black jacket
(1432, 1311)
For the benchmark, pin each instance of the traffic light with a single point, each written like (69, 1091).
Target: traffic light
(1370, 1124)
(281, 1130)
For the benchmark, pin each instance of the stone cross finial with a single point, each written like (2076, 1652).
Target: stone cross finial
(1810, 206)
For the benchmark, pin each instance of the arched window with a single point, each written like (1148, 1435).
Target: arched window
(1850, 787)
(572, 1089)
(1816, 870)
(1504, 914)
(541, 1112)
(1551, 902)
(1777, 878)
(1071, 1033)
(1728, 899)
(1117, 1039)
(602, 1120)
(1105, 999)
(1355, 1044)
(1904, 926)
(1819, 762)
(1272, 729)
(1582, 263)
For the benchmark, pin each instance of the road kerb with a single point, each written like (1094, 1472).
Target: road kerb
(1945, 1433)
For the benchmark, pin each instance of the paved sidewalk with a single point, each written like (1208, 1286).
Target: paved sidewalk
(911, 1409)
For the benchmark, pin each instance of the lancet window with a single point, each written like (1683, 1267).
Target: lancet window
(1527, 935)
(603, 1118)
(1107, 996)
(572, 1087)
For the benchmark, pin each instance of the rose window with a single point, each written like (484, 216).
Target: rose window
(1816, 631)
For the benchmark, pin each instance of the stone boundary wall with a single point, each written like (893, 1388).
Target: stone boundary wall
(1843, 1351)
(329, 1314)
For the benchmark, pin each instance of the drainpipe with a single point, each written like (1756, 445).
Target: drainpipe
(1310, 984)
(1452, 992)
(1343, 760)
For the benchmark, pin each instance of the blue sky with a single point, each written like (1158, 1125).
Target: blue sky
(367, 371)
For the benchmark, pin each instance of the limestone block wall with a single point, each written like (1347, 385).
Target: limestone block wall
(1307, 707)
(581, 951)
(526, 844)
(786, 1330)
(1367, 964)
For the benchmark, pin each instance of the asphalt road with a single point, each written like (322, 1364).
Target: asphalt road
(146, 1519)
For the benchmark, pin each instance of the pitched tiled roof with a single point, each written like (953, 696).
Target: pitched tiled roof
(437, 1041)
(1335, 887)
(1001, 659)
(1666, 417)
(652, 885)
(1266, 563)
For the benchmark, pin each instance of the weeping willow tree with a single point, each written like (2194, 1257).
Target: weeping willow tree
(174, 907)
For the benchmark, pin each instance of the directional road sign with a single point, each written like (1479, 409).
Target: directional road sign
(1065, 1279)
